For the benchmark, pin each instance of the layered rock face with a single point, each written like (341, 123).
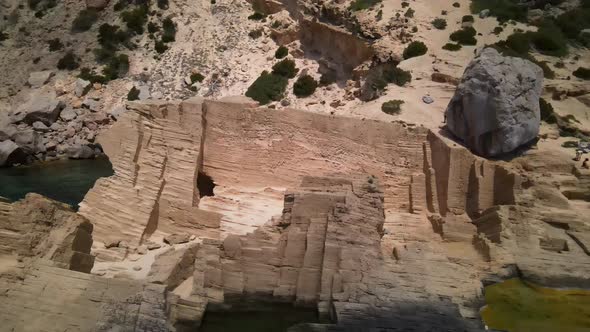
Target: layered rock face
(252, 155)
(44, 281)
(368, 221)
(495, 108)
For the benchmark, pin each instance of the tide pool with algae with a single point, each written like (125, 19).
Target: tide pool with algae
(518, 306)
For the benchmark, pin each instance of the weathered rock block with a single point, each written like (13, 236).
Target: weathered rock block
(495, 108)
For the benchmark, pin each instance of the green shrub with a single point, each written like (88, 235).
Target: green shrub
(452, 47)
(570, 144)
(135, 19)
(120, 5)
(574, 21)
(467, 18)
(111, 36)
(549, 40)
(456, 4)
(160, 47)
(409, 13)
(281, 52)
(117, 67)
(443, 12)
(392, 107)
(583, 73)
(285, 68)
(257, 16)
(163, 4)
(465, 36)
(498, 30)
(519, 42)
(397, 76)
(363, 4)
(439, 23)
(133, 94)
(3, 36)
(503, 10)
(197, 77)
(84, 21)
(104, 54)
(169, 30)
(547, 112)
(304, 86)
(327, 79)
(91, 76)
(267, 88)
(68, 62)
(414, 49)
(153, 27)
(405, 4)
(55, 44)
(255, 34)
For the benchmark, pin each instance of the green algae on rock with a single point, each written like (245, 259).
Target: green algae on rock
(519, 306)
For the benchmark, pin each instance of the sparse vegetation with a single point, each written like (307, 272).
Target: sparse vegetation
(135, 19)
(3, 36)
(549, 40)
(257, 16)
(405, 4)
(465, 36)
(84, 21)
(498, 30)
(117, 67)
(467, 18)
(304, 86)
(133, 94)
(153, 27)
(91, 76)
(281, 52)
(456, 4)
(397, 76)
(392, 107)
(439, 23)
(255, 34)
(197, 77)
(120, 5)
(503, 10)
(363, 4)
(163, 4)
(55, 44)
(68, 62)
(414, 49)
(547, 112)
(285, 68)
(452, 47)
(168, 31)
(583, 73)
(268, 87)
(160, 47)
(409, 13)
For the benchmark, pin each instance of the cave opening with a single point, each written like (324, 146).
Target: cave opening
(205, 184)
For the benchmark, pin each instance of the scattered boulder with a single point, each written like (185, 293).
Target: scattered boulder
(40, 126)
(427, 100)
(82, 87)
(44, 108)
(11, 153)
(177, 238)
(144, 92)
(68, 114)
(6, 132)
(29, 140)
(495, 108)
(80, 152)
(39, 78)
(484, 13)
(91, 104)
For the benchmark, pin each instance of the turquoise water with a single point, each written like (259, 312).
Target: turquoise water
(66, 181)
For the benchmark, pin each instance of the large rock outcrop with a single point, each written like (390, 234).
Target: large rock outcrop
(44, 280)
(495, 108)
